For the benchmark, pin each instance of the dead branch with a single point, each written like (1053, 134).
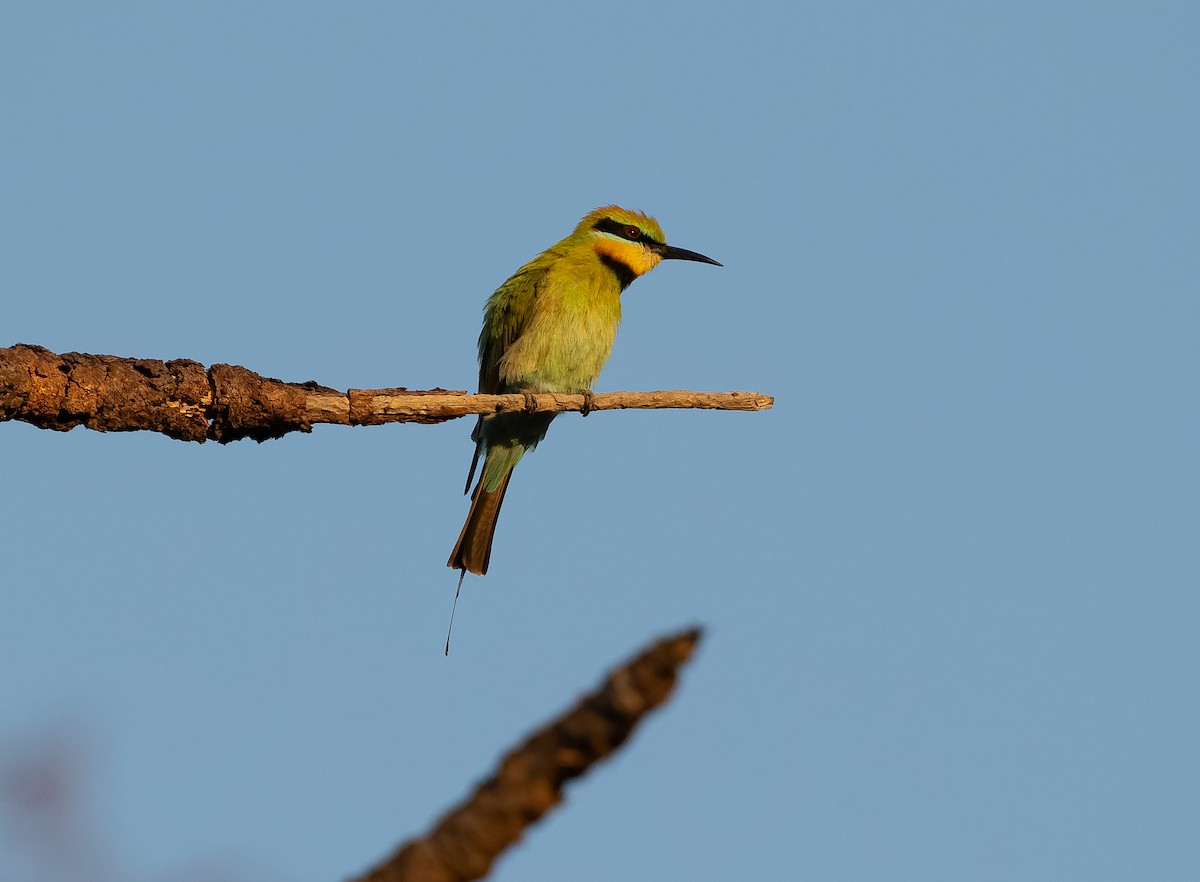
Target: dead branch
(184, 400)
(529, 781)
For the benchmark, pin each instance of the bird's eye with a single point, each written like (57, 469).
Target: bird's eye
(632, 232)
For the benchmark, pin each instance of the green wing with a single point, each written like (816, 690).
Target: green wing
(504, 318)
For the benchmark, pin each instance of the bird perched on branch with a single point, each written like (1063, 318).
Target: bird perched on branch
(550, 328)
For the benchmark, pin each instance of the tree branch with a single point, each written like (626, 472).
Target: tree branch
(184, 400)
(529, 781)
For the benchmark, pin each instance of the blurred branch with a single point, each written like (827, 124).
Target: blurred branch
(44, 811)
(187, 401)
(529, 781)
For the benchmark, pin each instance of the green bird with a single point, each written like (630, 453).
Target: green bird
(550, 328)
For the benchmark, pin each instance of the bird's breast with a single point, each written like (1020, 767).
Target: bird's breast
(569, 335)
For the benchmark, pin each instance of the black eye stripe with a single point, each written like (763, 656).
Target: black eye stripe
(609, 225)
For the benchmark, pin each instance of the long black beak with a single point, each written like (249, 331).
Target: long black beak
(670, 252)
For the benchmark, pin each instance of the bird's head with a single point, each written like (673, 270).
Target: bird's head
(630, 242)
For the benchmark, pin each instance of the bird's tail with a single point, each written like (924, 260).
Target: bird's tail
(474, 546)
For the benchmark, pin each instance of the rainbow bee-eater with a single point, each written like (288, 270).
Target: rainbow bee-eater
(550, 328)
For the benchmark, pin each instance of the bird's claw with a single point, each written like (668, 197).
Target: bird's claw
(530, 401)
(588, 399)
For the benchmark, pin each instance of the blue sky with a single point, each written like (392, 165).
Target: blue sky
(949, 582)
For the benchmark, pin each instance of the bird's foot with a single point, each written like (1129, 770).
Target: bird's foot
(588, 399)
(530, 401)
